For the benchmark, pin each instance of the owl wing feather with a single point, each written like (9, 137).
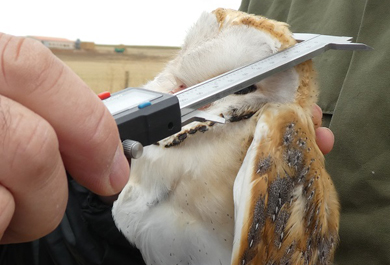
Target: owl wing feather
(286, 207)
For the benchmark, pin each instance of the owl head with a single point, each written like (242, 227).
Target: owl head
(226, 39)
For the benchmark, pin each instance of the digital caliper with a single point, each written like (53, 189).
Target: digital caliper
(145, 117)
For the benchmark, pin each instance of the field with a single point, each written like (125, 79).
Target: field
(103, 69)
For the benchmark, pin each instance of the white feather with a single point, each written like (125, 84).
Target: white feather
(178, 205)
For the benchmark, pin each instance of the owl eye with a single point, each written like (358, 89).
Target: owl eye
(179, 88)
(247, 90)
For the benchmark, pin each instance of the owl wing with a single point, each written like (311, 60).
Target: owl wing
(286, 207)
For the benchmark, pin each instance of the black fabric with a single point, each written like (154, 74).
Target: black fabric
(86, 235)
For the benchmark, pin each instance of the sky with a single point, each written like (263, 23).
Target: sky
(129, 22)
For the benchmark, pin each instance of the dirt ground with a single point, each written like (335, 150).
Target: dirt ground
(103, 69)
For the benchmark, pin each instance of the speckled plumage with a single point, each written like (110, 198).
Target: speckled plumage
(251, 191)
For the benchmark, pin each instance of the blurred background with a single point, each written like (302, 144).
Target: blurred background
(111, 45)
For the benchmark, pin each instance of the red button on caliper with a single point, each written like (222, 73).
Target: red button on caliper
(104, 95)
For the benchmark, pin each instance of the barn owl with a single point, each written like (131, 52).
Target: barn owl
(251, 191)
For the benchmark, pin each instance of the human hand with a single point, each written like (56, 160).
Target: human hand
(49, 121)
(324, 136)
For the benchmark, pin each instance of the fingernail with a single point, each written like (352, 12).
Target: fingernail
(120, 170)
(317, 109)
(324, 139)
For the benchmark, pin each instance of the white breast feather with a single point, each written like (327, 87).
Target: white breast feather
(177, 207)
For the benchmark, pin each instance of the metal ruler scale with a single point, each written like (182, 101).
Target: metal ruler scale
(216, 88)
(145, 118)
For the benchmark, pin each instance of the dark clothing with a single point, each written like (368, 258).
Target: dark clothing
(87, 235)
(355, 97)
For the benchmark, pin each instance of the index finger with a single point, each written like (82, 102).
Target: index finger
(88, 137)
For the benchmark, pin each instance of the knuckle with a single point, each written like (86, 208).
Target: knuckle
(38, 146)
(100, 131)
(28, 142)
(102, 138)
(22, 60)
